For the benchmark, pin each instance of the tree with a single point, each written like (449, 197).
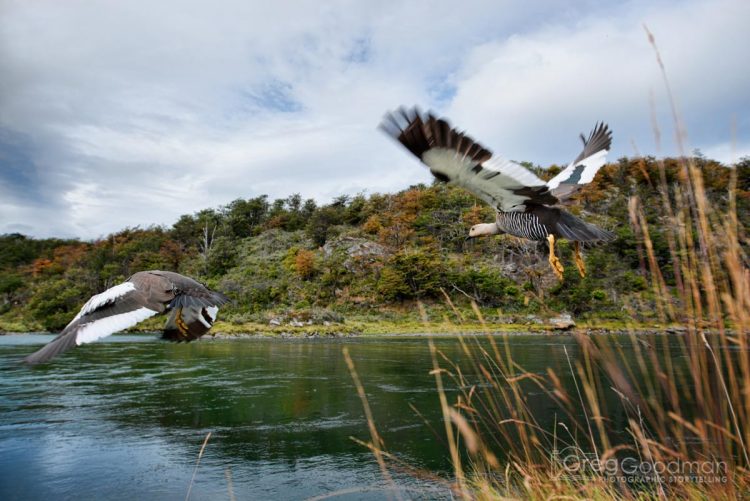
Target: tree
(221, 257)
(320, 225)
(392, 284)
(245, 218)
(304, 263)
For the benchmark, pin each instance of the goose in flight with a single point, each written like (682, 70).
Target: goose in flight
(192, 308)
(524, 203)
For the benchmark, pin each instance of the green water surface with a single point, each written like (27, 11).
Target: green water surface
(125, 418)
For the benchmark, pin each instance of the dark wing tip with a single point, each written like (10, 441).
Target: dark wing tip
(59, 345)
(420, 132)
(600, 138)
(394, 123)
(407, 126)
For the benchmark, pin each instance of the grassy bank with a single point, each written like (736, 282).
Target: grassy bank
(441, 320)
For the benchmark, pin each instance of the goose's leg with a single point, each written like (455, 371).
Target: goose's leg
(557, 266)
(579, 259)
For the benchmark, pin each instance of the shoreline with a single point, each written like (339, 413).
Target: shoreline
(389, 330)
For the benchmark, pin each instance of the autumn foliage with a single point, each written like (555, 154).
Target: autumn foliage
(361, 254)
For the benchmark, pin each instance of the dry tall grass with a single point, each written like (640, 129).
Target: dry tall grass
(687, 404)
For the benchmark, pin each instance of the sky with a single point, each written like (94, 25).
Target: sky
(124, 114)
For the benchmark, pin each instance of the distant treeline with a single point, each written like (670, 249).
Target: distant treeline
(368, 255)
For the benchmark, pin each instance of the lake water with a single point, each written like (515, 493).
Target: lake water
(125, 418)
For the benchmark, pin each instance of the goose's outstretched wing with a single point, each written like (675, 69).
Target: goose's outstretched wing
(113, 310)
(583, 169)
(455, 158)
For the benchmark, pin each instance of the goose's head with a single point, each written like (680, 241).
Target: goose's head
(483, 230)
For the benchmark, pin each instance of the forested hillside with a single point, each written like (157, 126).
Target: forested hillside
(370, 257)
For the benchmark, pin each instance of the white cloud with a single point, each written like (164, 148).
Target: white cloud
(727, 153)
(134, 113)
(534, 92)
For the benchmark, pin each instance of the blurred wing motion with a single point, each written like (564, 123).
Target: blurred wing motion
(583, 169)
(454, 157)
(143, 295)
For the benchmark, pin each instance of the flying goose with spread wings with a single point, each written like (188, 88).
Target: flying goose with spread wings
(192, 306)
(524, 203)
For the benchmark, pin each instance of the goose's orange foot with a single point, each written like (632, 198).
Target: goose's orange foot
(557, 266)
(579, 259)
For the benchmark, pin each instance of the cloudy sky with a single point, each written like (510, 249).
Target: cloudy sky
(117, 114)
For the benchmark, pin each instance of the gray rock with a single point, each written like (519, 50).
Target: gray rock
(533, 319)
(357, 250)
(563, 322)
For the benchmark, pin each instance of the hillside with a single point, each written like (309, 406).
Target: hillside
(369, 258)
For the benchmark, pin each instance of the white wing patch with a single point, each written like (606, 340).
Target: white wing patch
(106, 296)
(212, 311)
(494, 184)
(513, 170)
(446, 161)
(103, 327)
(591, 166)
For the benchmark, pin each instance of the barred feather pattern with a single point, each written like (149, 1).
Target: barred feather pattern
(522, 224)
